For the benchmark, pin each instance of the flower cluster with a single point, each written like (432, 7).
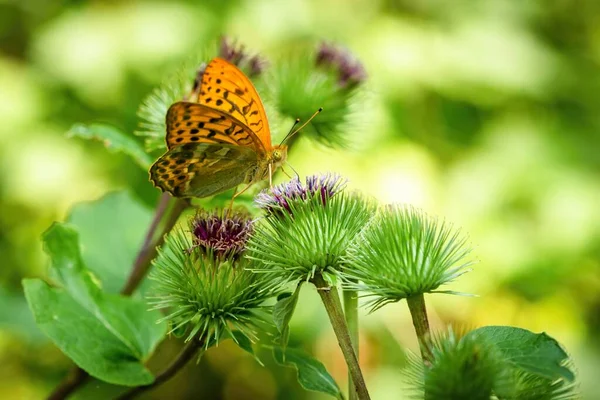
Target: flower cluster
(224, 237)
(323, 186)
(235, 54)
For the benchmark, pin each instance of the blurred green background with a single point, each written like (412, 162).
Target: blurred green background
(485, 113)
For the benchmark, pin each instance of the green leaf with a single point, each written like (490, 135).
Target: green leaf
(312, 374)
(536, 353)
(283, 312)
(114, 140)
(108, 335)
(245, 344)
(111, 231)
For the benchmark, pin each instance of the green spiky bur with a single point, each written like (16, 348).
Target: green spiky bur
(466, 366)
(209, 296)
(460, 368)
(311, 237)
(298, 88)
(404, 252)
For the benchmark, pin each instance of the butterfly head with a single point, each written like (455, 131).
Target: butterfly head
(279, 155)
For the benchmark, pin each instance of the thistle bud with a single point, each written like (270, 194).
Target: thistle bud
(404, 252)
(202, 281)
(308, 227)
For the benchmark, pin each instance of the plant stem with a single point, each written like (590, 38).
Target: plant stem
(418, 312)
(149, 248)
(332, 303)
(187, 353)
(351, 314)
(148, 251)
(75, 378)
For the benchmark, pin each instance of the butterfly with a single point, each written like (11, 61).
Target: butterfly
(219, 141)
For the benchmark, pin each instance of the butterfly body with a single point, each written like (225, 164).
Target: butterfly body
(219, 142)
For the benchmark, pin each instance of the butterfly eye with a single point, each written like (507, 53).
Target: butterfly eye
(276, 155)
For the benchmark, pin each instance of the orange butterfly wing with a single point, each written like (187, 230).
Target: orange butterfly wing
(196, 123)
(225, 88)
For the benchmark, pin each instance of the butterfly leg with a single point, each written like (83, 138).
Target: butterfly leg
(285, 172)
(236, 194)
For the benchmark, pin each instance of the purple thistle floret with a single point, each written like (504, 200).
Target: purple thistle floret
(324, 186)
(350, 71)
(222, 236)
(235, 54)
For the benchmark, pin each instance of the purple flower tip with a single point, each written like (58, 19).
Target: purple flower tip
(324, 186)
(235, 54)
(223, 236)
(350, 71)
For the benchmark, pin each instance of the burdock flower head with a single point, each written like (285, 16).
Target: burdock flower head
(307, 228)
(223, 237)
(317, 186)
(202, 281)
(329, 79)
(403, 252)
(350, 71)
(461, 367)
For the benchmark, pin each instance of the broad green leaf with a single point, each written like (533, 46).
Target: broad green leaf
(83, 337)
(111, 230)
(114, 140)
(108, 335)
(312, 374)
(536, 353)
(283, 312)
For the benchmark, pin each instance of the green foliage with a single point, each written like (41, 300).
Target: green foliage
(245, 344)
(111, 232)
(283, 311)
(312, 374)
(463, 88)
(538, 354)
(403, 252)
(113, 139)
(107, 335)
(209, 296)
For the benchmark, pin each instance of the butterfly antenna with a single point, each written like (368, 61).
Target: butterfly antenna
(289, 135)
(291, 130)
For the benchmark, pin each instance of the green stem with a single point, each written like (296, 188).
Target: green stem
(331, 301)
(187, 353)
(146, 254)
(151, 244)
(351, 314)
(418, 312)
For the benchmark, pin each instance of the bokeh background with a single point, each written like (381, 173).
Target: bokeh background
(484, 113)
